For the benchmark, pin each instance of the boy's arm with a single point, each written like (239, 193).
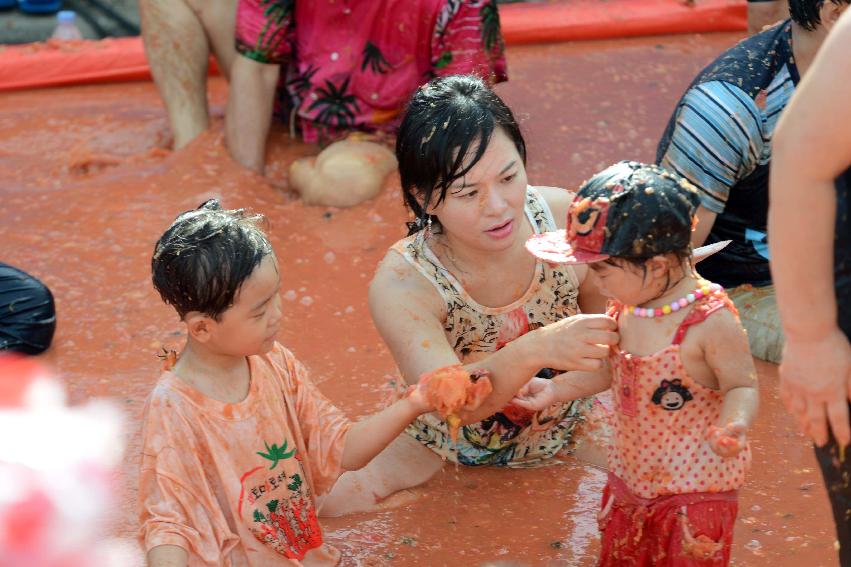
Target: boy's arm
(370, 436)
(171, 517)
(168, 556)
(335, 443)
(172, 494)
(727, 353)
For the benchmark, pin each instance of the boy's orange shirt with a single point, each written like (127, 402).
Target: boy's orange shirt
(234, 484)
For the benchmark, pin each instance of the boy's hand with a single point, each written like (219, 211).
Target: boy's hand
(536, 395)
(416, 395)
(727, 441)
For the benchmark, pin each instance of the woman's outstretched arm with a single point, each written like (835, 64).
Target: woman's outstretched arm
(409, 315)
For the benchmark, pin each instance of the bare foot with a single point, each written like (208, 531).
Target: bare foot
(401, 498)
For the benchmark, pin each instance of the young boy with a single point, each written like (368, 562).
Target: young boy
(237, 440)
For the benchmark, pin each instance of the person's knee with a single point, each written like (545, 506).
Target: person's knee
(344, 174)
(766, 341)
(27, 312)
(219, 22)
(155, 13)
(405, 463)
(761, 320)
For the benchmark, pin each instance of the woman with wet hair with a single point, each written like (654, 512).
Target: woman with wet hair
(461, 288)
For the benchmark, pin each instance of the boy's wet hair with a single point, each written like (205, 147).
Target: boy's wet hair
(447, 119)
(806, 13)
(202, 260)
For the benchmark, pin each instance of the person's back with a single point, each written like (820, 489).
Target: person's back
(348, 68)
(27, 312)
(738, 97)
(719, 138)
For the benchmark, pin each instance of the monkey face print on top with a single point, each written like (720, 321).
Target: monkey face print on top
(671, 395)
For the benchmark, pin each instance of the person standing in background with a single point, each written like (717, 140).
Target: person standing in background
(810, 228)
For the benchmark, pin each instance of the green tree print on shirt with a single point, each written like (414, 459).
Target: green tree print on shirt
(276, 12)
(335, 104)
(374, 59)
(300, 84)
(490, 25)
(275, 453)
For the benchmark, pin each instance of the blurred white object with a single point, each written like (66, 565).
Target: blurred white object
(703, 252)
(66, 26)
(57, 466)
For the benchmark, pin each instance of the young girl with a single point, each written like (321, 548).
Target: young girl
(683, 380)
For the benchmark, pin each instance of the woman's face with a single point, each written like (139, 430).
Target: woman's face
(485, 208)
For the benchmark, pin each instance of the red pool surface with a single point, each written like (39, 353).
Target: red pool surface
(85, 190)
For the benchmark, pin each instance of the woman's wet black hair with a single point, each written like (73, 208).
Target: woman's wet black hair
(205, 256)
(806, 13)
(446, 129)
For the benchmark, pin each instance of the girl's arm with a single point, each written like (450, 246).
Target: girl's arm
(726, 351)
(409, 313)
(539, 393)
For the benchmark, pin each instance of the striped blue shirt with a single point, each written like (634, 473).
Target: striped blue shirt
(719, 138)
(722, 135)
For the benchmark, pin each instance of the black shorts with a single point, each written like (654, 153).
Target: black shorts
(27, 312)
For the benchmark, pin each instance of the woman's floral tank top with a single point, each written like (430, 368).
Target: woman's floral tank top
(514, 436)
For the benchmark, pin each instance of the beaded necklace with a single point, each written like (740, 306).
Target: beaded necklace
(704, 290)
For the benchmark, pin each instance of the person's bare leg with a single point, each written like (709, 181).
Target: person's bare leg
(590, 452)
(593, 437)
(763, 14)
(405, 463)
(178, 53)
(219, 20)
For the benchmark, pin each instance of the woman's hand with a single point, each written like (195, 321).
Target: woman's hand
(580, 342)
(536, 395)
(815, 383)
